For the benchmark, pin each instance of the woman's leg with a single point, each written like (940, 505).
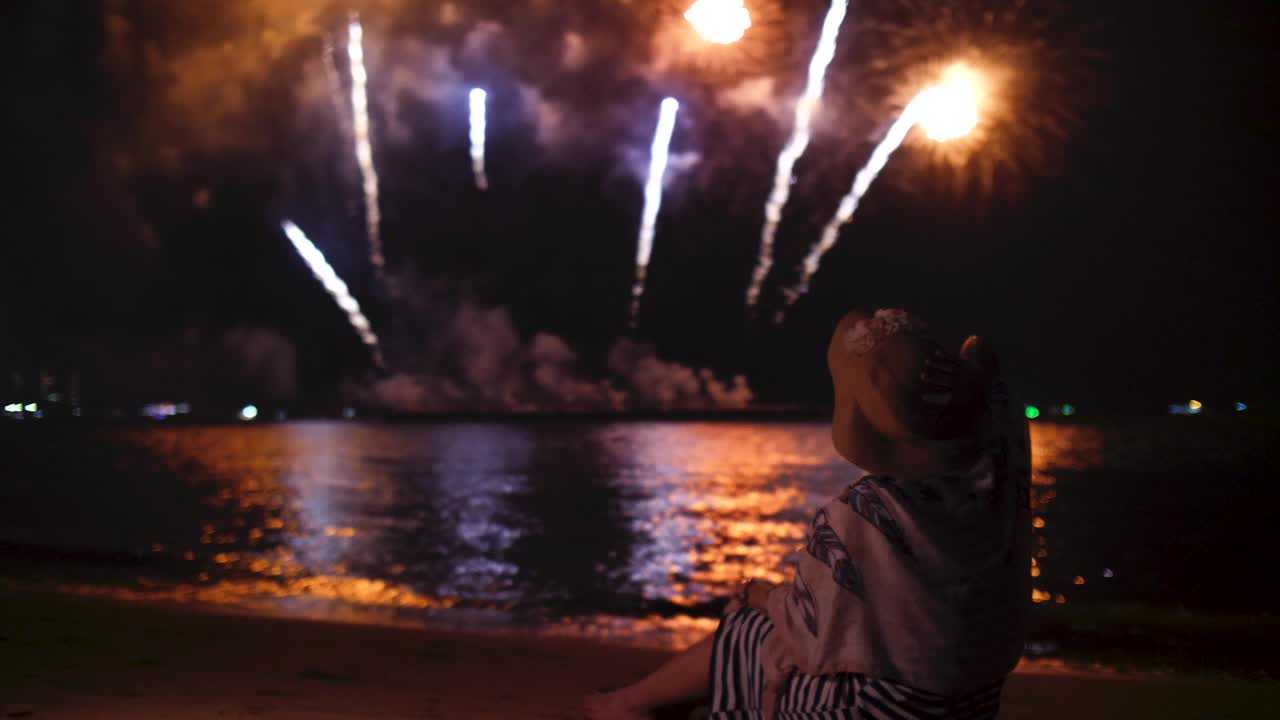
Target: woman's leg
(683, 678)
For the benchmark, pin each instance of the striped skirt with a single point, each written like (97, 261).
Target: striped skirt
(737, 683)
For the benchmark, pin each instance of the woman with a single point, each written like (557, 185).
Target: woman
(912, 596)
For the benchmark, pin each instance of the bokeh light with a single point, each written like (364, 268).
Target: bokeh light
(248, 412)
(1033, 412)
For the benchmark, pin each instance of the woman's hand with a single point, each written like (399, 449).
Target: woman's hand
(943, 373)
(951, 385)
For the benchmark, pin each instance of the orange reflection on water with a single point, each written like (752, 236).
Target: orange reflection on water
(675, 632)
(1056, 447)
(336, 512)
(264, 594)
(729, 501)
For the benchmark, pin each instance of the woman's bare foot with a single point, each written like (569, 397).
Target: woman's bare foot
(613, 706)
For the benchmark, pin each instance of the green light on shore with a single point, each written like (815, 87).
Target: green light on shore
(1033, 412)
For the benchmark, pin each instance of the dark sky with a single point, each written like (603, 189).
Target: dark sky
(1119, 259)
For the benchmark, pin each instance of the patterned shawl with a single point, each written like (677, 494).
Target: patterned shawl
(926, 583)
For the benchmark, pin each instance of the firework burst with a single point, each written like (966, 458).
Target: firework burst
(720, 21)
(947, 111)
(719, 42)
(1036, 74)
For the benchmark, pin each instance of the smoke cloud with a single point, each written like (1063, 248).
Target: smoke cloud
(485, 365)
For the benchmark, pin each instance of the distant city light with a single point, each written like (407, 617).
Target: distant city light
(348, 413)
(248, 412)
(1191, 408)
(1106, 573)
(1241, 407)
(160, 411)
(1033, 412)
(1068, 410)
(1195, 406)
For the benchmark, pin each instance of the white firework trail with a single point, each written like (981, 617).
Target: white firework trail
(477, 99)
(364, 151)
(659, 151)
(334, 285)
(945, 112)
(796, 145)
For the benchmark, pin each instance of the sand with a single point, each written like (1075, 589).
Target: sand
(77, 657)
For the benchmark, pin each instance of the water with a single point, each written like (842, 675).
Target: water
(630, 531)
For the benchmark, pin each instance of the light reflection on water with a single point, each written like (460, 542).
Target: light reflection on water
(629, 531)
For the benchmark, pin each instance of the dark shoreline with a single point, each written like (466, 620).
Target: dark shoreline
(772, 415)
(67, 656)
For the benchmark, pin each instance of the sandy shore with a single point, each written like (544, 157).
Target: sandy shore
(73, 657)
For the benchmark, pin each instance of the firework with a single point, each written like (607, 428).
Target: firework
(658, 153)
(945, 112)
(1038, 70)
(720, 21)
(477, 137)
(335, 287)
(718, 43)
(796, 145)
(364, 151)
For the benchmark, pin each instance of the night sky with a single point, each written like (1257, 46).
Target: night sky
(1111, 233)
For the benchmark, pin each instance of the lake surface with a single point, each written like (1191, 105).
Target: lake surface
(634, 531)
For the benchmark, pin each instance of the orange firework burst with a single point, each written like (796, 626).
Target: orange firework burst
(1028, 71)
(720, 21)
(720, 40)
